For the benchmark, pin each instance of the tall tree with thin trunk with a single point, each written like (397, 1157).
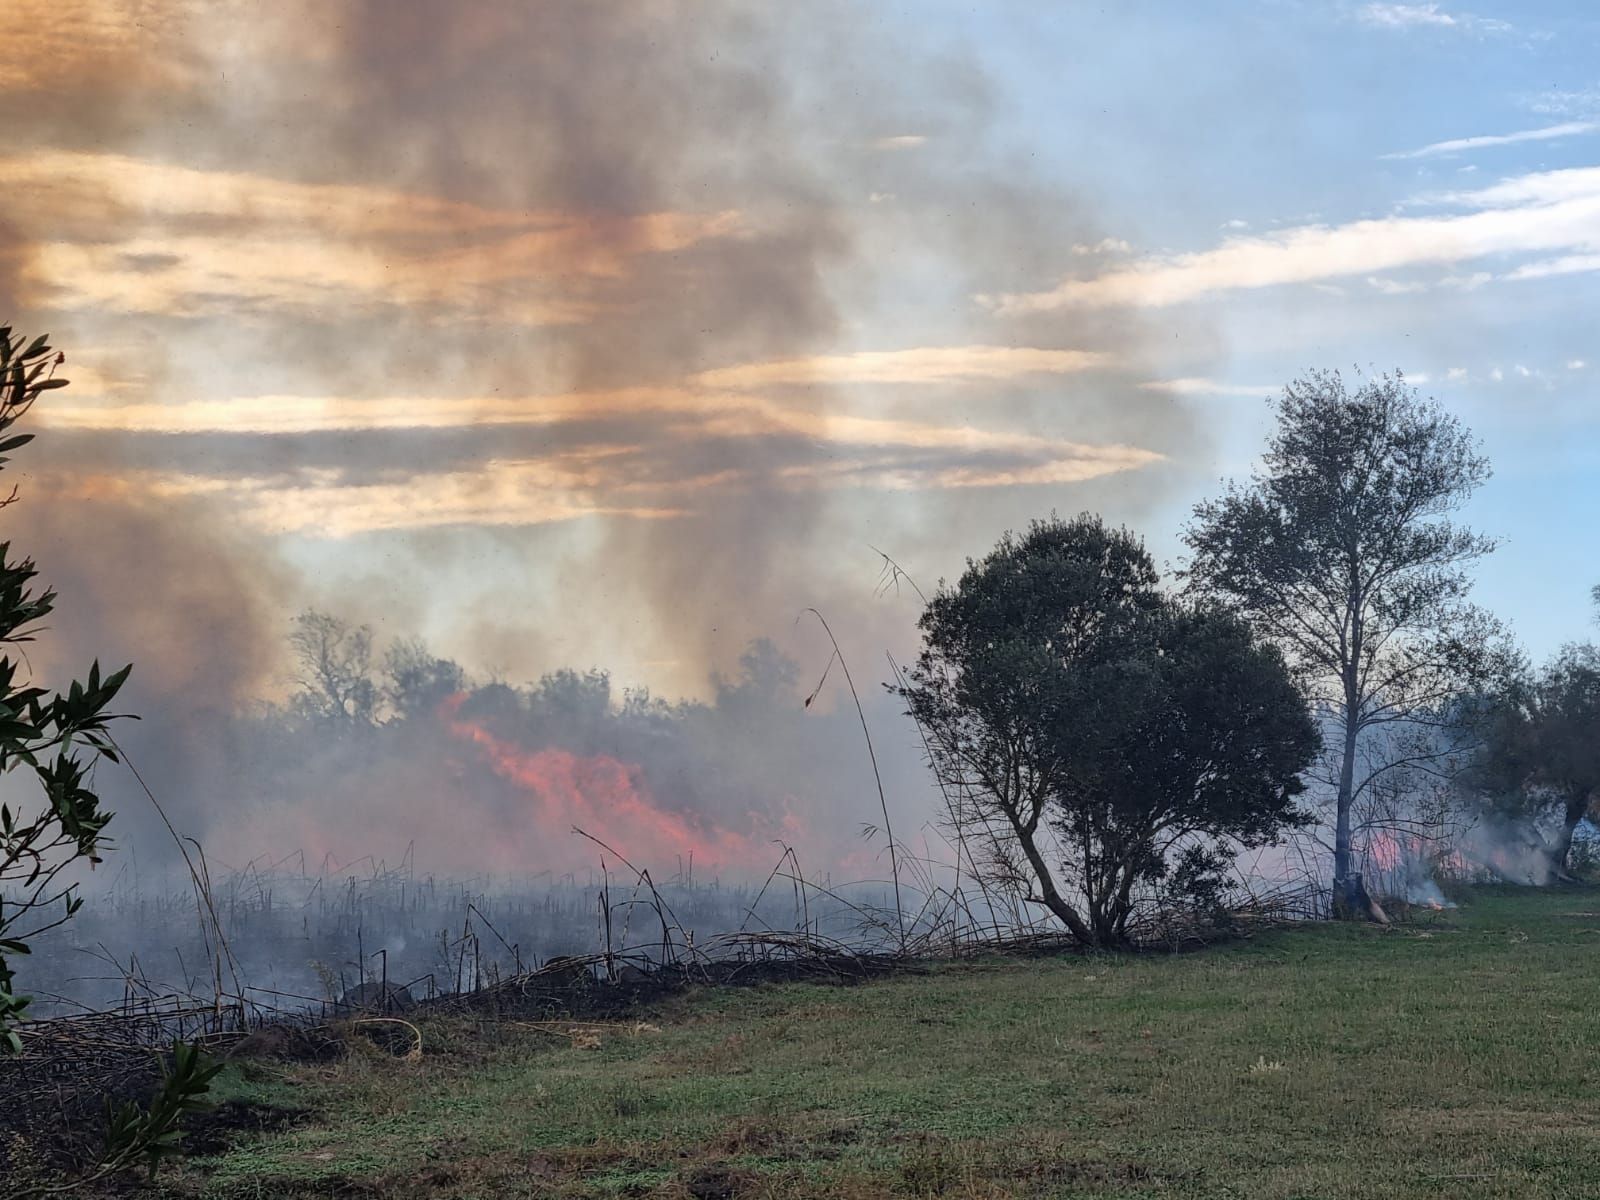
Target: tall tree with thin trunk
(1341, 550)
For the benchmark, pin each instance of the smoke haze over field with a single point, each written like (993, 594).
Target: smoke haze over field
(617, 334)
(603, 292)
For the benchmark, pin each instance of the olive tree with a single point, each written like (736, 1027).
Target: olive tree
(53, 737)
(1104, 738)
(1340, 550)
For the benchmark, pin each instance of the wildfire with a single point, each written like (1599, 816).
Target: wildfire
(607, 799)
(1407, 865)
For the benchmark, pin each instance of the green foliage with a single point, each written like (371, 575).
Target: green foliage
(1340, 551)
(417, 682)
(57, 737)
(150, 1135)
(1102, 731)
(1540, 755)
(143, 1136)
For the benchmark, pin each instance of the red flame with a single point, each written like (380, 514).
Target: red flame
(607, 799)
(1386, 850)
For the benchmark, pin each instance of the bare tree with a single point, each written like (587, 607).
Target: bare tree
(335, 661)
(1340, 550)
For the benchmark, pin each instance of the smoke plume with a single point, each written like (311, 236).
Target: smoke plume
(563, 334)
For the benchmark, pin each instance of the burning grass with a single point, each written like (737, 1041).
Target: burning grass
(1403, 1067)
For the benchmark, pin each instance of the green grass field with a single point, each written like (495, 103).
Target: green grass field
(1457, 1057)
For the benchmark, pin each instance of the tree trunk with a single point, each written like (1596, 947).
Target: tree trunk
(1344, 894)
(1577, 808)
(1352, 901)
(1048, 895)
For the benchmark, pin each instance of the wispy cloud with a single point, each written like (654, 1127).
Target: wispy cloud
(618, 456)
(59, 45)
(135, 236)
(1567, 264)
(1427, 16)
(1395, 287)
(1555, 211)
(899, 141)
(923, 364)
(1457, 145)
(1556, 103)
(1195, 386)
(728, 395)
(620, 482)
(1103, 246)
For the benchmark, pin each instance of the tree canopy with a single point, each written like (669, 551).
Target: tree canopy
(1539, 760)
(1102, 737)
(1341, 551)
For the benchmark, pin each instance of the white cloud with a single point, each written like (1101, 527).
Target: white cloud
(1195, 386)
(601, 482)
(1569, 264)
(1566, 104)
(1103, 246)
(899, 141)
(1427, 16)
(133, 235)
(1548, 212)
(1456, 145)
(1456, 375)
(1396, 287)
(1576, 364)
(921, 364)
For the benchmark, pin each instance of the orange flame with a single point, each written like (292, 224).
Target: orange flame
(604, 797)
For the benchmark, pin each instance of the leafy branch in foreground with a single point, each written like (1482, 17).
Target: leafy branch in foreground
(145, 1136)
(57, 737)
(152, 1134)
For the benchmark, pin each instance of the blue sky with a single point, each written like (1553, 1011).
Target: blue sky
(1204, 122)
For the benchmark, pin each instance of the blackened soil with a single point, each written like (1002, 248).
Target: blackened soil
(214, 1130)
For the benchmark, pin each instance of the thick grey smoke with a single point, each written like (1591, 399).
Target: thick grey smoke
(197, 610)
(701, 186)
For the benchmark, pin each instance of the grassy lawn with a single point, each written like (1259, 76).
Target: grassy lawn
(1458, 1057)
